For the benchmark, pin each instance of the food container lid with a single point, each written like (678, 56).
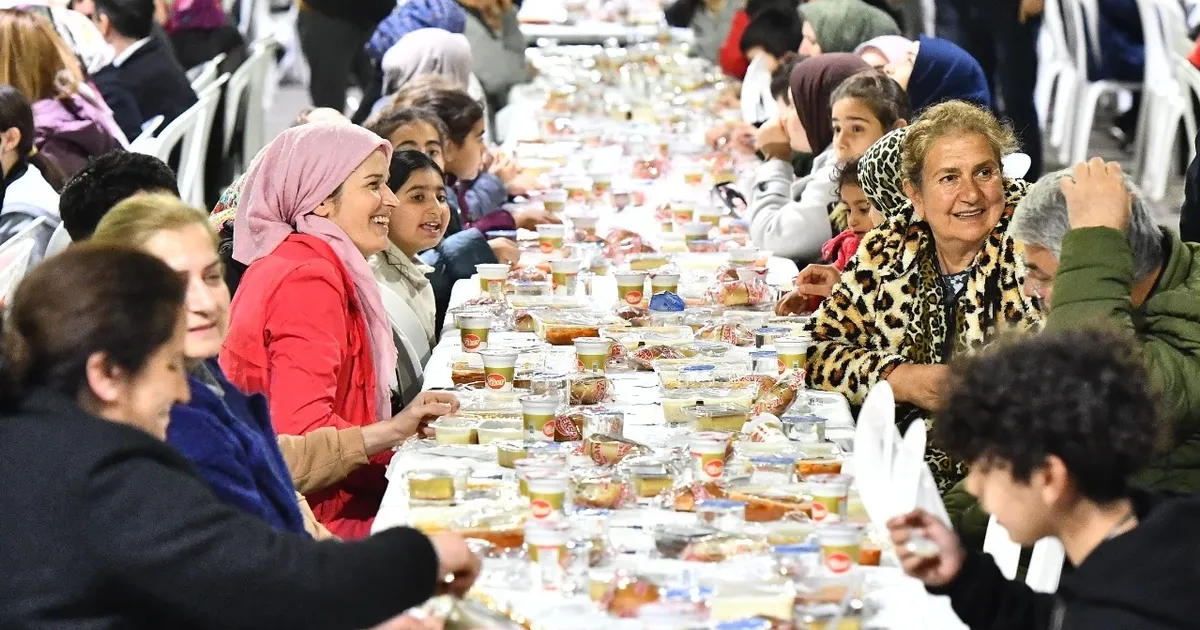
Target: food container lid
(767, 460)
(763, 354)
(693, 369)
(429, 473)
(802, 420)
(720, 504)
(716, 411)
(796, 548)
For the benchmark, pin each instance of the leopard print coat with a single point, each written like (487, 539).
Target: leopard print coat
(889, 307)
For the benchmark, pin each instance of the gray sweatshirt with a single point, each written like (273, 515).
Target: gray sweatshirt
(497, 59)
(791, 216)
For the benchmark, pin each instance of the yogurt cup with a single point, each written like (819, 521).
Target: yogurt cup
(631, 286)
(840, 545)
(745, 255)
(473, 330)
(585, 223)
(579, 189)
(601, 184)
(693, 174)
(708, 449)
(668, 282)
(537, 412)
(546, 543)
(829, 493)
(695, 231)
(709, 215)
(554, 200)
(499, 368)
(591, 353)
(528, 466)
(547, 492)
(683, 212)
(564, 276)
(492, 277)
(749, 274)
(791, 352)
(550, 237)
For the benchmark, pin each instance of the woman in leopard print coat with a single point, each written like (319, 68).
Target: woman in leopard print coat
(932, 281)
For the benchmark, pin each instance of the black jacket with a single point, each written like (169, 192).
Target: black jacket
(106, 528)
(454, 258)
(1189, 214)
(1145, 579)
(156, 81)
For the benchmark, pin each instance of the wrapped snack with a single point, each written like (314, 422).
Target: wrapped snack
(770, 507)
(528, 274)
(643, 359)
(630, 594)
(776, 400)
(606, 450)
(764, 383)
(635, 315)
(734, 334)
(739, 293)
(523, 321)
(721, 547)
(686, 497)
(599, 490)
(568, 427)
(484, 301)
(618, 356)
(463, 373)
(765, 428)
(590, 389)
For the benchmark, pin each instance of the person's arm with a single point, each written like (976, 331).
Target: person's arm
(160, 535)
(485, 196)
(985, 600)
(1093, 285)
(325, 456)
(791, 229)
(843, 356)
(733, 62)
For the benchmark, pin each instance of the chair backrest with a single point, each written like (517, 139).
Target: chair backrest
(1045, 567)
(1157, 61)
(191, 131)
(1174, 26)
(240, 92)
(205, 73)
(15, 255)
(757, 104)
(1079, 40)
(1054, 29)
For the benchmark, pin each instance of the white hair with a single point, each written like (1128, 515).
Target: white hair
(1041, 219)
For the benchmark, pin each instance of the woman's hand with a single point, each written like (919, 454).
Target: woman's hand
(426, 407)
(818, 280)
(1096, 196)
(505, 250)
(773, 140)
(530, 218)
(920, 385)
(458, 566)
(524, 182)
(936, 571)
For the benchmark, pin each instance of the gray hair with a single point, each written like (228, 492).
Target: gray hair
(1041, 219)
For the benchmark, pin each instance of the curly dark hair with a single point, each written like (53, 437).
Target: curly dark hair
(782, 76)
(847, 174)
(107, 180)
(1080, 395)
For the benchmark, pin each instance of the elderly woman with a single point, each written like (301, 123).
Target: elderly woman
(938, 278)
(307, 327)
(1093, 253)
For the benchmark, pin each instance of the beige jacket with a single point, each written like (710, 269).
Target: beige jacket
(407, 277)
(319, 459)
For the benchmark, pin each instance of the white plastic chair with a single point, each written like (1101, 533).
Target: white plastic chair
(245, 88)
(1080, 21)
(190, 131)
(139, 144)
(1056, 72)
(204, 74)
(757, 104)
(16, 254)
(1165, 104)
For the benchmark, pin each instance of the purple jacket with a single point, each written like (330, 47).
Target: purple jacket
(71, 131)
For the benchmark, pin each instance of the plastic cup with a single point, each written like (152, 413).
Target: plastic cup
(546, 543)
(750, 274)
(791, 352)
(547, 492)
(550, 237)
(473, 330)
(579, 189)
(711, 216)
(585, 223)
(631, 286)
(564, 276)
(499, 368)
(829, 493)
(660, 282)
(525, 467)
(554, 200)
(537, 413)
(601, 184)
(492, 277)
(693, 174)
(683, 212)
(708, 449)
(743, 255)
(591, 353)
(840, 545)
(695, 231)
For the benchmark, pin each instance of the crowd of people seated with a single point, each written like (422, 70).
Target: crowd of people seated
(205, 400)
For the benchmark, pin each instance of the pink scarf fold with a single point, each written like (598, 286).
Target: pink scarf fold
(288, 179)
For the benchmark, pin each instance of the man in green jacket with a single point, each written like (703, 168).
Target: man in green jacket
(1094, 256)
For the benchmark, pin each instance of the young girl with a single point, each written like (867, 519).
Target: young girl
(861, 217)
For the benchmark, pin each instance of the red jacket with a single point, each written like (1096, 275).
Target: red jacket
(298, 335)
(733, 62)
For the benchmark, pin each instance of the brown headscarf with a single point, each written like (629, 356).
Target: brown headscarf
(812, 83)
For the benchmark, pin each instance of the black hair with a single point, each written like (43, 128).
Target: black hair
(15, 111)
(114, 300)
(407, 162)
(847, 174)
(781, 78)
(391, 118)
(777, 30)
(457, 110)
(754, 7)
(131, 18)
(1080, 395)
(106, 181)
(880, 92)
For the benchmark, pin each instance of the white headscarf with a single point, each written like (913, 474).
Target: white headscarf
(427, 51)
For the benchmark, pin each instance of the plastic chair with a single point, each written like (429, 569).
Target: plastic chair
(146, 137)
(1056, 73)
(190, 131)
(204, 74)
(1080, 21)
(1045, 566)
(1166, 104)
(245, 89)
(757, 103)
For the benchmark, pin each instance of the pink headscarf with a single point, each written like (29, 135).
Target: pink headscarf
(893, 47)
(288, 179)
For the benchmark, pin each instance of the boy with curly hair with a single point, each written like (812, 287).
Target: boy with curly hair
(1055, 427)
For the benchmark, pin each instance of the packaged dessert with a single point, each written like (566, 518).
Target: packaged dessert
(646, 262)
(740, 293)
(590, 389)
(643, 359)
(812, 466)
(561, 329)
(765, 428)
(430, 486)
(769, 504)
(607, 450)
(490, 431)
(780, 397)
(733, 334)
(718, 417)
(629, 594)
(687, 496)
(761, 382)
(806, 429)
(635, 315)
(568, 427)
(509, 452)
(454, 430)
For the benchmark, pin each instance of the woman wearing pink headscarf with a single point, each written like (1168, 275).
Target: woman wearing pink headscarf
(308, 328)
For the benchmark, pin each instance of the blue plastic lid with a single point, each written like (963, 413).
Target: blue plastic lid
(688, 594)
(797, 548)
(666, 302)
(719, 504)
(754, 623)
(801, 419)
(697, 368)
(763, 354)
